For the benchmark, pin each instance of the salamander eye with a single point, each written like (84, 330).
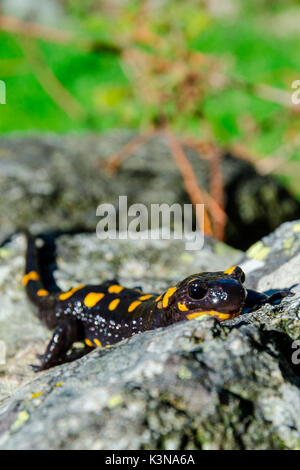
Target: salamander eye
(197, 290)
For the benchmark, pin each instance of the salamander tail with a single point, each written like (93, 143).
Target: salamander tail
(31, 279)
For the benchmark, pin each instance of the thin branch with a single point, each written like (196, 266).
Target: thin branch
(276, 95)
(50, 34)
(242, 152)
(280, 157)
(34, 30)
(267, 93)
(266, 165)
(213, 155)
(50, 83)
(207, 151)
(217, 193)
(115, 160)
(189, 179)
(202, 147)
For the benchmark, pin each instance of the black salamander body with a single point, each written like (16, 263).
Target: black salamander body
(104, 314)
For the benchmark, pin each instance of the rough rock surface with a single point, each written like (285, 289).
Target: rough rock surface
(197, 384)
(58, 182)
(152, 264)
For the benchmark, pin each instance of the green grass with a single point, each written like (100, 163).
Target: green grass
(249, 53)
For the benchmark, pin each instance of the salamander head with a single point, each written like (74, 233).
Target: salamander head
(220, 294)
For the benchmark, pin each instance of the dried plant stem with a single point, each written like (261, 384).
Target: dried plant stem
(190, 181)
(213, 155)
(58, 36)
(115, 160)
(53, 87)
(217, 193)
(34, 30)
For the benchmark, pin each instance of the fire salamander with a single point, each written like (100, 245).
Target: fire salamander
(101, 315)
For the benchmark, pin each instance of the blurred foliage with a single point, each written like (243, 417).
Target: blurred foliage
(212, 69)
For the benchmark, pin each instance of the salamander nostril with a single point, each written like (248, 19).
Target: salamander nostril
(197, 290)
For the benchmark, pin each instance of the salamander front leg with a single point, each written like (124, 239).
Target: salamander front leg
(256, 299)
(64, 336)
(280, 295)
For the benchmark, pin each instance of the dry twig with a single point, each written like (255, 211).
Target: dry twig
(53, 87)
(50, 34)
(34, 30)
(115, 160)
(215, 200)
(190, 181)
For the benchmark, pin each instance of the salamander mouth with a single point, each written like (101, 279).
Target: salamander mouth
(221, 316)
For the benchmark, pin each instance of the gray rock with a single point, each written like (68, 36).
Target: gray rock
(57, 183)
(152, 264)
(197, 384)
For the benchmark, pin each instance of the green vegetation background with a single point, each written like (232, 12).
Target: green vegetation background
(254, 43)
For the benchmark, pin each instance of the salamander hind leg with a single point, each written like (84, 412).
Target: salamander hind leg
(67, 332)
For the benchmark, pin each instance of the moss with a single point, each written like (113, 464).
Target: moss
(115, 400)
(5, 253)
(258, 251)
(290, 245)
(296, 227)
(184, 373)
(223, 249)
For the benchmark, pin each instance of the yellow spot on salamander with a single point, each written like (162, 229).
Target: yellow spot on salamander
(158, 298)
(146, 297)
(115, 289)
(32, 276)
(113, 304)
(35, 395)
(159, 305)
(92, 298)
(42, 292)
(230, 270)
(191, 280)
(69, 293)
(182, 307)
(97, 342)
(88, 343)
(214, 313)
(134, 305)
(167, 295)
(197, 314)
